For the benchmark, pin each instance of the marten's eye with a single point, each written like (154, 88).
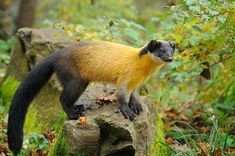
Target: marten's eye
(162, 51)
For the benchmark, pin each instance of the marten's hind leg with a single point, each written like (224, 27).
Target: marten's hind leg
(73, 86)
(71, 92)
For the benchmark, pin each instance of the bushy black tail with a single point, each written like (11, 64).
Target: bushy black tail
(29, 88)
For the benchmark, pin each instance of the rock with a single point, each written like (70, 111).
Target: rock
(106, 131)
(31, 47)
(18, 66)
(39, 43)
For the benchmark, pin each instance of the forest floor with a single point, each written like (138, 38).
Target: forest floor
(188, 131)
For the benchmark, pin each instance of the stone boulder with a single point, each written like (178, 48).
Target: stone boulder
(105, 130)
(30, 48)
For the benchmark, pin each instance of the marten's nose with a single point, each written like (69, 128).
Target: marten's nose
(169, 59)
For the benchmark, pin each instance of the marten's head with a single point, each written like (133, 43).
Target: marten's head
(159, 50)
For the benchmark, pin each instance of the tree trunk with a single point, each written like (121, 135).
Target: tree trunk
(8, 13)
(26, 15)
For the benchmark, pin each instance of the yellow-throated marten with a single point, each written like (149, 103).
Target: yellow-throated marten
(84, 62)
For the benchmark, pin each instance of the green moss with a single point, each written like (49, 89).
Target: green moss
(44, 111)
(47, 106)
(36, 120)
(159, 147)
(7, 91)
(31, 122)
(8, 88)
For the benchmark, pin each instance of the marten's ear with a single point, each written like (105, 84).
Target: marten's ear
(153, 45)
(150, 47)
(172, 44)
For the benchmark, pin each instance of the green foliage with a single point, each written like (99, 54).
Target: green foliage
(159, 147)
(204, 32)
(5, 47)
(117, 30)
(7, 90)
(60, 146)
(85, 12)
(104, 22)
(216, 141)
(33, 141)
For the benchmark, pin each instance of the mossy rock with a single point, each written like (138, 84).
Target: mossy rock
(106, 131)
(30, 48)
(39, 116)
(8, 88)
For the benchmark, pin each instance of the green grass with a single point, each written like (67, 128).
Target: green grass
(60, 147)
(217, 141)
(159, 147)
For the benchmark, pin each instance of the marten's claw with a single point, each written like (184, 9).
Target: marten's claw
(135, 107)
(73, 117)
(76, 112)
(127, 112)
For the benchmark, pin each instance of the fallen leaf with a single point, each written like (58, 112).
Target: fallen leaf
(3, 147)
(50, 135)
(40, 152)
(217, 152)
(204, 129)
(170, 141)
(107, 98)
(171, 114)
(82, 120)
(204, 148)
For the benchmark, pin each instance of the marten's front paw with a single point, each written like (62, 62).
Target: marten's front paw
(136, 107)
(73, 117)
(127, 112)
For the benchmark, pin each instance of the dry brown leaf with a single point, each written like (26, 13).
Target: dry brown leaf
(3, 147)
(170, 141)
(107, 98)
(204, 148)
(217, 152)
(172, 114)
(40, 152)
(204, 129)
(50, 135)
(82, 120)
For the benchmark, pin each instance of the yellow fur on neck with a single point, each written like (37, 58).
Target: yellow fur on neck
(115, 63)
